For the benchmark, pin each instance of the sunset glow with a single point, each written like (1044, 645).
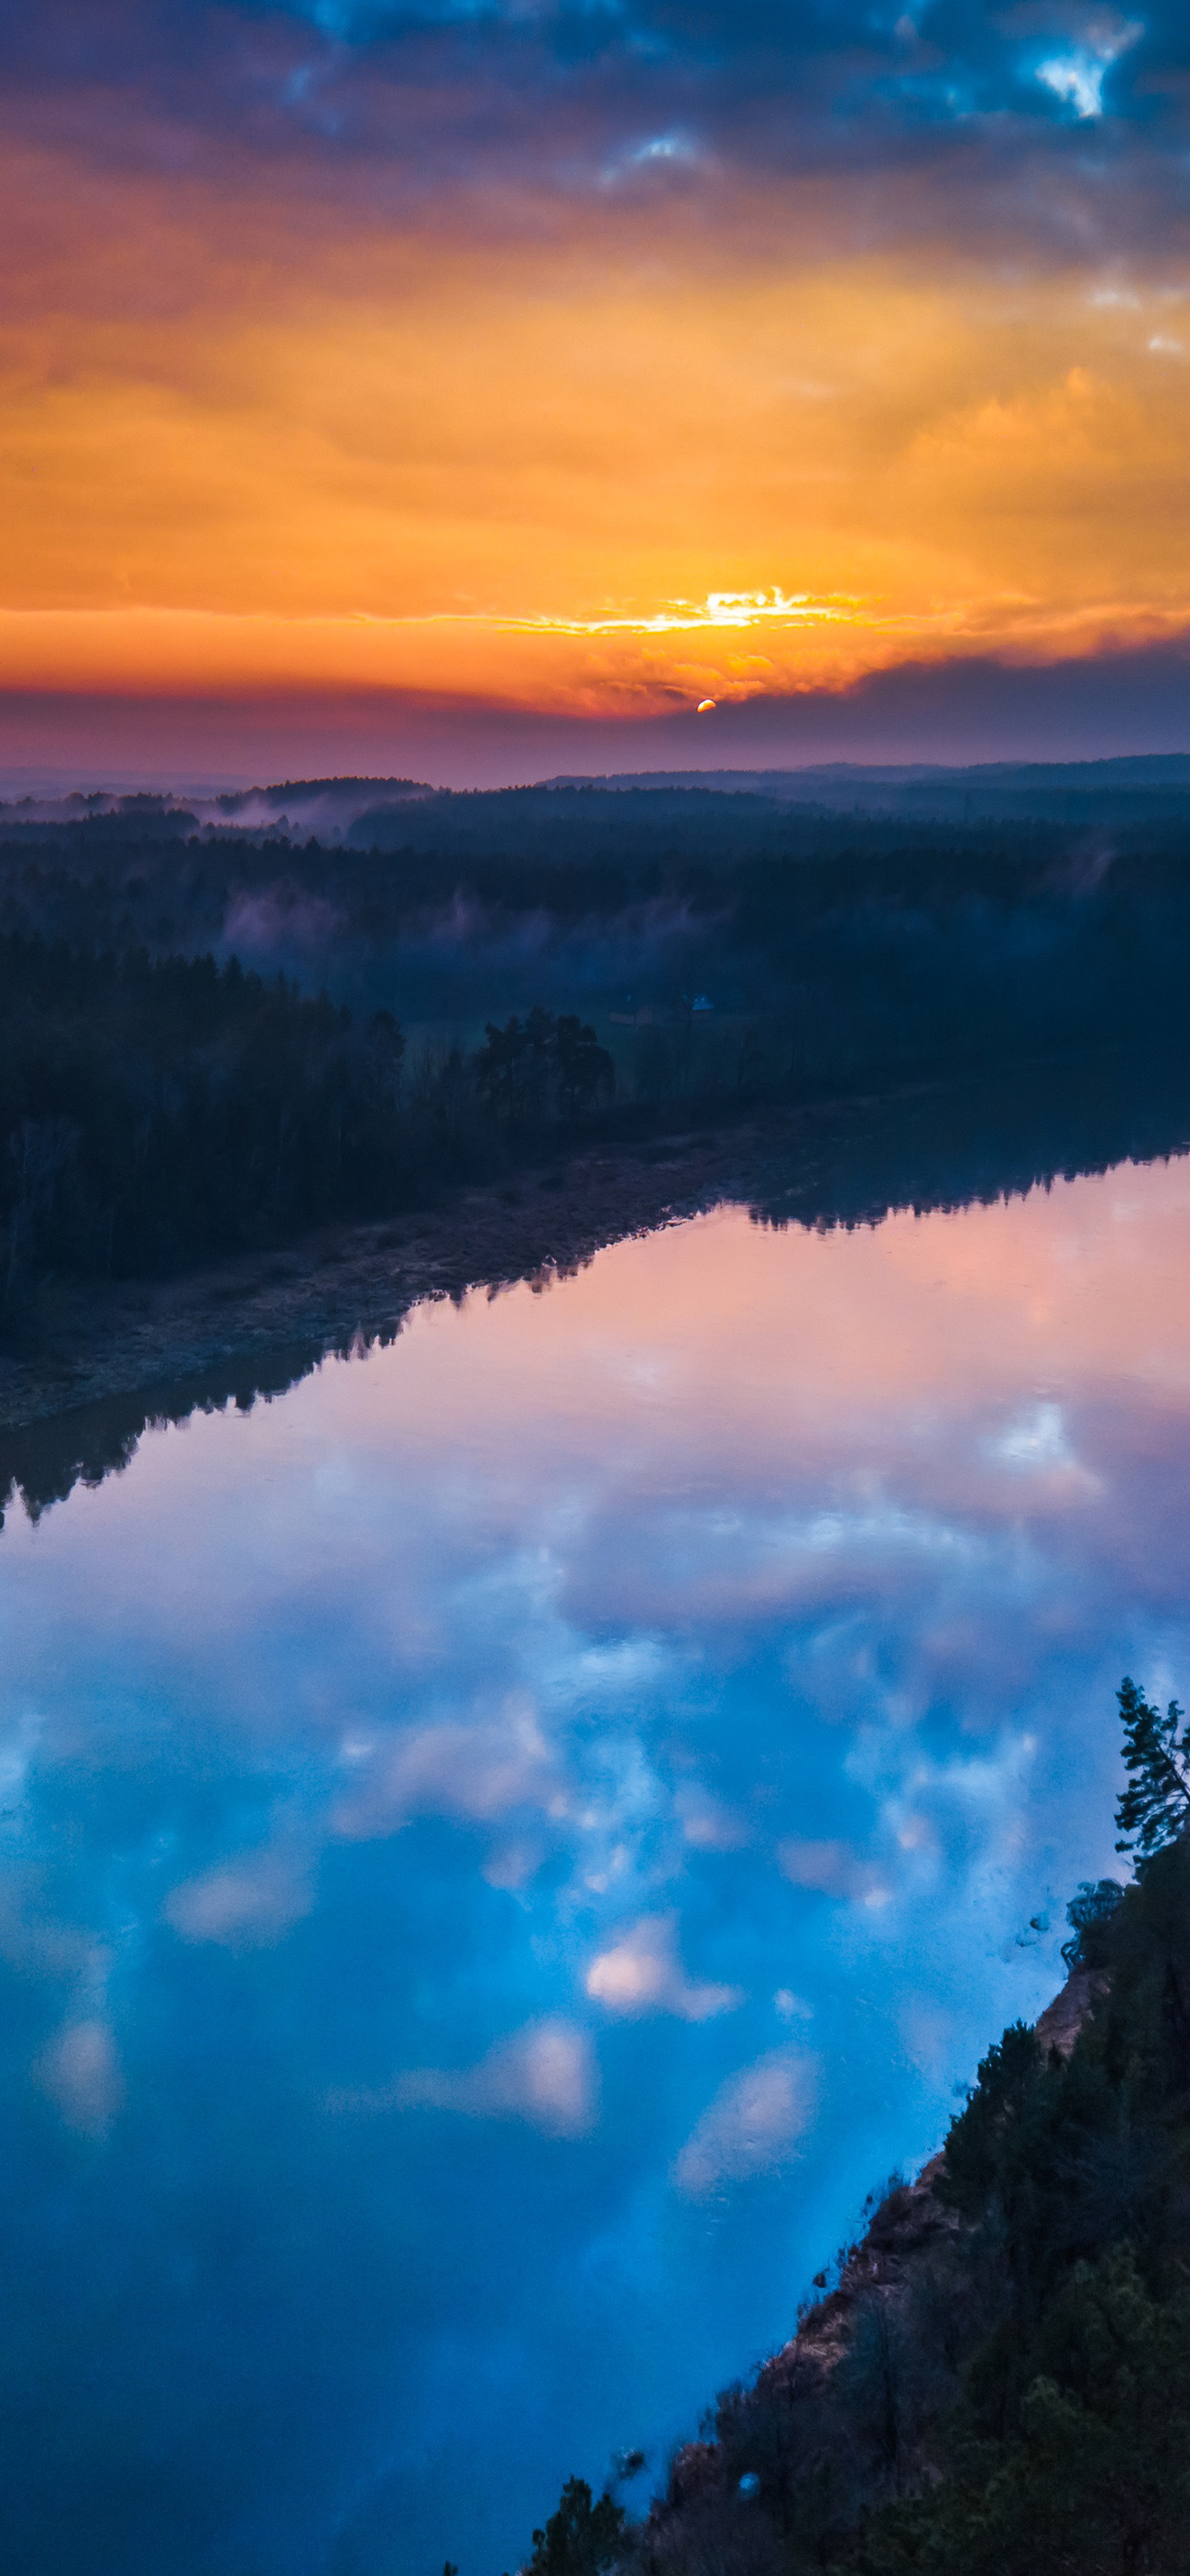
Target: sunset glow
(345, 351)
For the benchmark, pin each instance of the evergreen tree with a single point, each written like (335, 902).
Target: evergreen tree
(1155, 1806)
(582, 2538)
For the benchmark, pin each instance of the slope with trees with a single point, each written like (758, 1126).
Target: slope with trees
(999, 2380)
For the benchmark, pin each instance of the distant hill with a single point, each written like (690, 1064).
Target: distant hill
(991, 791)
(1088, 791)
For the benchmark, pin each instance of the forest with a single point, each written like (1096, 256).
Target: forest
(997, 2377)
(159, 1111)
(217, 1035)
(942, 1146)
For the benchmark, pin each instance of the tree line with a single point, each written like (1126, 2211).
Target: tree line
(999, 2382)
(155, 1113)
(215, 1040)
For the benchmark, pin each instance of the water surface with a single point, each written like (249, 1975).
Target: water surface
(504, 1845)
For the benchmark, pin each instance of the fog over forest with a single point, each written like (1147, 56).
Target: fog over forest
(228, 1021)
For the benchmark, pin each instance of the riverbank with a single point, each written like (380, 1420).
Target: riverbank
(97, 1364)
(353, 1285)
(996, 2377)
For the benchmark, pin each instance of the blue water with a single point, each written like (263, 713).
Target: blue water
(504, 1845)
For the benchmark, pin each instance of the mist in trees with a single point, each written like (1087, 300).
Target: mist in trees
(213, 1038)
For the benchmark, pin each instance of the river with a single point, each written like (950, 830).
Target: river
(506, 1843)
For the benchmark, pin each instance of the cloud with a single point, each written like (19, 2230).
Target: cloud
(244, 1904)
(735, 473)
(833, 1868)
(1038, 1443)
(752, 2127)
(706, 1825)
(81, 2073)
(968, 709)
(643, 1974)
(477, 1772)
(545, 2074)
(1077, 77)
(512, 1864)
(577, 100)
(661, 153)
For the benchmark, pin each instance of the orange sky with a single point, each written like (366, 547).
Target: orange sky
(617, 467)
(586, 360)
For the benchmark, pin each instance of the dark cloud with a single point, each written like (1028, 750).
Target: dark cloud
(1084, 111)
(975, 708)
(970, 708)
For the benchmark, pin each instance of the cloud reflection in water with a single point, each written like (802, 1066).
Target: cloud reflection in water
(502, 1847)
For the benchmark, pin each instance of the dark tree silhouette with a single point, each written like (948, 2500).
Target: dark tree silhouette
(541, 1066)
(584, 1069)
(1090, 1908)
(998, 2381)
(1155, 1806)
(582, 2538)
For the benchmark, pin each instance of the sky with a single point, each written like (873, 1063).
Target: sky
(505, 1845)
(462, 386)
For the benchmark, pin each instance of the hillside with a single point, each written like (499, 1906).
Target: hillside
(998, 2378)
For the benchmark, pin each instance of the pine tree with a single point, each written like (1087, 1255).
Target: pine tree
(582, 2538)
(1155, 1807)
